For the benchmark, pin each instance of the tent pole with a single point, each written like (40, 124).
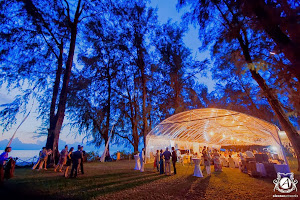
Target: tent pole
(146, 150)
(282, 150)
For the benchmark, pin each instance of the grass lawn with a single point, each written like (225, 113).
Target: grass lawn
(118, 180)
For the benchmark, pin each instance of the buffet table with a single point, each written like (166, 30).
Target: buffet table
(261, 169)
(282, 168)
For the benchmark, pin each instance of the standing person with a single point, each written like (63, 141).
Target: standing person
(161, 162)
(174, 159)
(69, 161)
(206, 158)
(3, 159)
(167, 156)
(76, 158)
(62, 159)
(142, 160)
(41, 158)
(217, 161)
(82, 159)
(157, 157)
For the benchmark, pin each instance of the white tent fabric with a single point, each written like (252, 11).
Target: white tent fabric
(212, 127)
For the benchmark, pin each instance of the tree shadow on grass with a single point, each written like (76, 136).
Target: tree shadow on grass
(119, 186)
(85, 187)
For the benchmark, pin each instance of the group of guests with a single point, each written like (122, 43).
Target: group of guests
(67, 158)
(162, 161)
(209, 157)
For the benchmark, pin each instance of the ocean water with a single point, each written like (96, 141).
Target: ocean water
(25, 155)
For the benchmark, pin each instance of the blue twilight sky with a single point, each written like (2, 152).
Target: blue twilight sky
(166, 10)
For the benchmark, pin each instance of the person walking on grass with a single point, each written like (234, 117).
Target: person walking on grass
(3, 158)
(174, 159)
(62, 159)
(69, 161)
(76, 158)
(47, 153)
(41, 158)
(167, 156)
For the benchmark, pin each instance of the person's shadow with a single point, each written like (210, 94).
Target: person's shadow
(199, 188)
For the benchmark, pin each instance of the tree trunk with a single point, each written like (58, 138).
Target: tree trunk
(145, 121)
(57, 120)
(275, 104)
(106, 133)
(106, 141)
(51, 139)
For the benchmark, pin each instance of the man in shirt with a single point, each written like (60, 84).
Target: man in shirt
(76, 158)
(174, 159)
(167, 156)
(81, 162)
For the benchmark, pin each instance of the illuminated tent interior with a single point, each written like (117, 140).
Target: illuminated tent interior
(214, 128)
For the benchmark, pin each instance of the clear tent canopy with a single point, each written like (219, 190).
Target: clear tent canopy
(212, 127)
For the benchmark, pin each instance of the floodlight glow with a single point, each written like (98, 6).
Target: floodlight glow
(281, 133)
(273, 148)
(238, 140)
(231, 138)
(273, 53)
(211, 133)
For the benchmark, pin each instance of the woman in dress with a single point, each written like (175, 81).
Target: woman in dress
(3, 158)
(206, 157)
(217, 161)
(69, 161)
(156, 160)
(161, 162)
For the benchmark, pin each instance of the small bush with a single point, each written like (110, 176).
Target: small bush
(92, 156)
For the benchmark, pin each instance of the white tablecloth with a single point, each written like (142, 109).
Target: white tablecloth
(261, 168)
(137, 162)
(282, 168)
(197, 170)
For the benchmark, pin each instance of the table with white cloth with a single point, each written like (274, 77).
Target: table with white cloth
(137, 162)
(197, 170)
(261, 169)
(282, 168)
